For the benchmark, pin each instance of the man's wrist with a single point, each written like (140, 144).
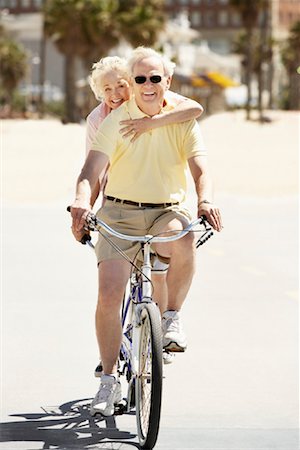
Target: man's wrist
(204, 201)
(82, 202)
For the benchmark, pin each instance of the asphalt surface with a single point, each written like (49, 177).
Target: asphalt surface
(236, 387)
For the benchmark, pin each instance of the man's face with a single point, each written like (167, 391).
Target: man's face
(149, 95)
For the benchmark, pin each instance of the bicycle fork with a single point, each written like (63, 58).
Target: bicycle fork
(138, 308)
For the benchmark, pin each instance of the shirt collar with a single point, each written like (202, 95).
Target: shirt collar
(134, 111)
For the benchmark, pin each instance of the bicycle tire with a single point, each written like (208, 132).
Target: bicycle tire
(148, 387)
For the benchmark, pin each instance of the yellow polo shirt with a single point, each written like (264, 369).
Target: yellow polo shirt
(153, 168)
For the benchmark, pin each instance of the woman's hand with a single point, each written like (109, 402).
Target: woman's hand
(135, 127)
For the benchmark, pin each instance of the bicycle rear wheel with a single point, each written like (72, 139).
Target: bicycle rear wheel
(149, 380)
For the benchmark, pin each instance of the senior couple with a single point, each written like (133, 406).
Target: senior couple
(141, 140)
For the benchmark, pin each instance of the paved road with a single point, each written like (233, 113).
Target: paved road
(235, 388)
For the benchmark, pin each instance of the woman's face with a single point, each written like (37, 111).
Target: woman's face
(115, 89)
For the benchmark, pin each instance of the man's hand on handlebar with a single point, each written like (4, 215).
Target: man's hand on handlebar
(212, 214)
(78, 235)
(79, 213)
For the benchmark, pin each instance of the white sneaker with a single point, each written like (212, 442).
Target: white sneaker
(174, 339)
(109, 394)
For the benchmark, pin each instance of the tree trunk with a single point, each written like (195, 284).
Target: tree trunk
(248, 73)
(263, 52)
(70, 89)
(42, 72)
(294, 103)
(270, 83)
(260, 90)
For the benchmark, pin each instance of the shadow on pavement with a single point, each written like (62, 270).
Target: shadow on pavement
(68, 426)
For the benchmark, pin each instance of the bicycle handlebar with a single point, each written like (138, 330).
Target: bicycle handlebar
(94, 224)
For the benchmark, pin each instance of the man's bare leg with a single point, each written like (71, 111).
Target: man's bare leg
(182, 256)
(113, 277)
(160, 290)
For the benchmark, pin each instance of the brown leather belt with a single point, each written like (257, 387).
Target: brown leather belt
(140, 204)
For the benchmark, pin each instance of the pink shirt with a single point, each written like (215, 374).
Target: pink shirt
(93, 120)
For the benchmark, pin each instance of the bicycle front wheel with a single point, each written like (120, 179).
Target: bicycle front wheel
(149, 380)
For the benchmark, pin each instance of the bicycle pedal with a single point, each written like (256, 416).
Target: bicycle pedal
(172, 347)
(121, 407)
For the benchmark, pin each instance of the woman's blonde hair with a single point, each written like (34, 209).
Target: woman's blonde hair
(103, 66)
(145, 52)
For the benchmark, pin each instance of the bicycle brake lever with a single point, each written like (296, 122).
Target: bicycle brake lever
(208, 233)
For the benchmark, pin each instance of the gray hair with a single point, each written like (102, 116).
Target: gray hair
(145, 52)
(103, 66)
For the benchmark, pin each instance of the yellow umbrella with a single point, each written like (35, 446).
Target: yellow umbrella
(221, 80)
(199, 82)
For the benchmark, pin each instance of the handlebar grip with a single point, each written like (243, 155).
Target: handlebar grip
(85, 238)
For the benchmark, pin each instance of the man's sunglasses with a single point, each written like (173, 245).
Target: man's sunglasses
(141, 79)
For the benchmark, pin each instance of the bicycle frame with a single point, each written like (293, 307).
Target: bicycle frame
(140, 293)
(144, 295)
(141, 347)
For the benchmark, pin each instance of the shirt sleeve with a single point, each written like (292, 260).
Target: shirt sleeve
(91, 129)
(106, 137)
(174, 98)
(193, 141)
(93, 120)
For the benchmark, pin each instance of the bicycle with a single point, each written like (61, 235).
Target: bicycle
(140, 359)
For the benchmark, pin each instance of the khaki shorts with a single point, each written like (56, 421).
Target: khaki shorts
(134, 221)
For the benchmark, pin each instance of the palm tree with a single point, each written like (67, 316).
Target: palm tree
(141, 20)
(89, 29)
(249, 12)
(291, 60)
(76, 27)
(13, 67)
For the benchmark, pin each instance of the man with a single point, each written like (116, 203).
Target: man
(146, 187)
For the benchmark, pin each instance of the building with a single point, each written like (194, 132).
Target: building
(215, 23)
(24, 21)
(219, 23)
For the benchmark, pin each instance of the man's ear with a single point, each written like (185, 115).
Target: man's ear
(169, 80)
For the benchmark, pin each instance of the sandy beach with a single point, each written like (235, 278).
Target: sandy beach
(41, 159)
